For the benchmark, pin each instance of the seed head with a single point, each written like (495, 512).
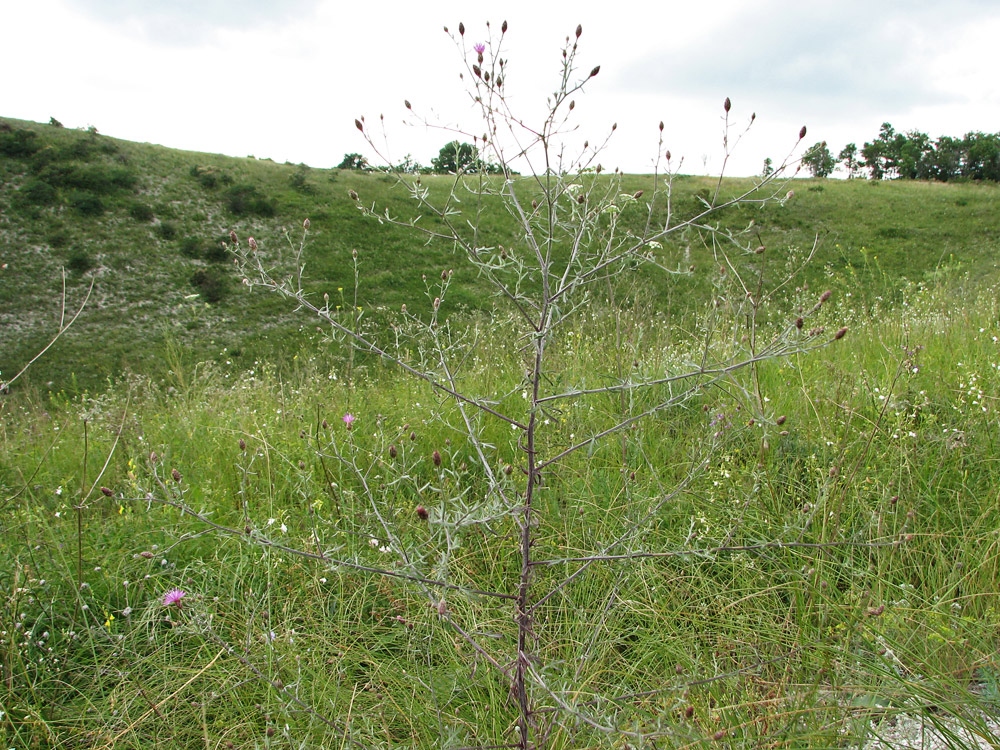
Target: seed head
(422, 513)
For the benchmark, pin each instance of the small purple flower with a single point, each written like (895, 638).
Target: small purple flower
(480, 48)
(348, 418)
(173, 596)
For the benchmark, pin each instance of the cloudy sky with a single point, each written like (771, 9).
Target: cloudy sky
(286, 79)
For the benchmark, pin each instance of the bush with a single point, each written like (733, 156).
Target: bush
(190, 247)
(141, 212)
(79, 261)
(210, 284)
(167, 230)
(244, 200)
(18, 142)
(215, 252)
(58, 238)
(86, 204)
(37, 193)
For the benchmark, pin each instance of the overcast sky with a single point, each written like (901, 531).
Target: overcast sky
(286, 79)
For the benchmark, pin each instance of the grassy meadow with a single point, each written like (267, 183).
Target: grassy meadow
(790, 555)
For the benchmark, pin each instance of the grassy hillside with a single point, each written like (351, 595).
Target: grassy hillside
(145, 224)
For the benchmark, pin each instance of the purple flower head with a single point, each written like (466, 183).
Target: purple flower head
(173, 596)
(480, 48)
(348, 418)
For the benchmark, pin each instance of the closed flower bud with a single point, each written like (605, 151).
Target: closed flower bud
(153, 458)
(508, 469)
(637, 194)
(407, 103)
(668, 154)
(354, 196)
(243, 445)
(358, 125)
(233, 238)
(437, 302)
(413, 436)
(503, 28)
(422, 513)
(661, 126)
(689, 712)
(305, 223)
(106, 492)
(175, 474)
(442, 608)
(727, 105)
(461, 28)
(799, 323)
(392, 451)
(840, 334)
(579, 30)
(436, 458)
(572, 104)
(595, 71)
(780, 420)
(444, 276)
(802, 133)
(825, 295)
(253, 243)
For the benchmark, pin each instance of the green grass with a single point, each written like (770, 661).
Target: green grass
(808, 545)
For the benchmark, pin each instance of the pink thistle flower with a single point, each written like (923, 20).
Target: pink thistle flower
(480, 48)
(348, 418)
(173, 596)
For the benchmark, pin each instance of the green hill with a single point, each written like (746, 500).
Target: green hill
(145, 224)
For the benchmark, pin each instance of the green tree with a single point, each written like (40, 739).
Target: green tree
(353, 161)
(819, 161)
(848, 156)
(455, 157)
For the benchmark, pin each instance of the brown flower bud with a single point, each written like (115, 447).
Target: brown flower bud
(146, 554)
(614, 127)
(175, 474)
(802, 133)
(689, 712)
(253, 243)
(444, 276)
(825, 296)
(305, 223)
(719, 735)
(436, 458)
(727, 105)
(437, 302)
(354, 253)
(508, 469)
(580, 199)
(243, 445)
(760, 250)
(572, 104)
(442, 608)
(106, 492)
(534, 204)
(392, 451)
(407, 103)
(668, 154)
(359, 126)
(413, 436)
(780, 420)
(354, 196)
(595, 71)
(233, 238)
(477, 71)
(840, 334)
(637, 194)
(579, 30)
(661, 126)
(153, 458)
(422, 513)
(799, 323)
(503, 28)
(461, 28)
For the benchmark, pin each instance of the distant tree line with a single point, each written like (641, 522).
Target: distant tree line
(912, 156)
(453, 157)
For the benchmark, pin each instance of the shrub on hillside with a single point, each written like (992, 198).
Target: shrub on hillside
(86, 203)
(141, 212)
(37, 193)
(167, 230)
(210, 283)
(18, 142)
(79, 261)
(245, 200)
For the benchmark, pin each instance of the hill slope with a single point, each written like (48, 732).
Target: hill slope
(146, 224)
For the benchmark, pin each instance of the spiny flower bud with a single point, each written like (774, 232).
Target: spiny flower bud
(253, 243)
(799, 323)
(444, 276)
(358, 125)
(106, 492)
(579, 30)
(477, 71)
(422, 513)
(595, 71)
(354, 253)
(437, 302)
(802, 133)
(233, 238)
(727, 105)
(840, 334)
(175, 474)
(825, 296)
(305, 223)
(614, 127)
(354, 196)
(243, 445)
(436, 458)
(392, 451)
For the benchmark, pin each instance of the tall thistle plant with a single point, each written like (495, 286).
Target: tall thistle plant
(519, 523)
